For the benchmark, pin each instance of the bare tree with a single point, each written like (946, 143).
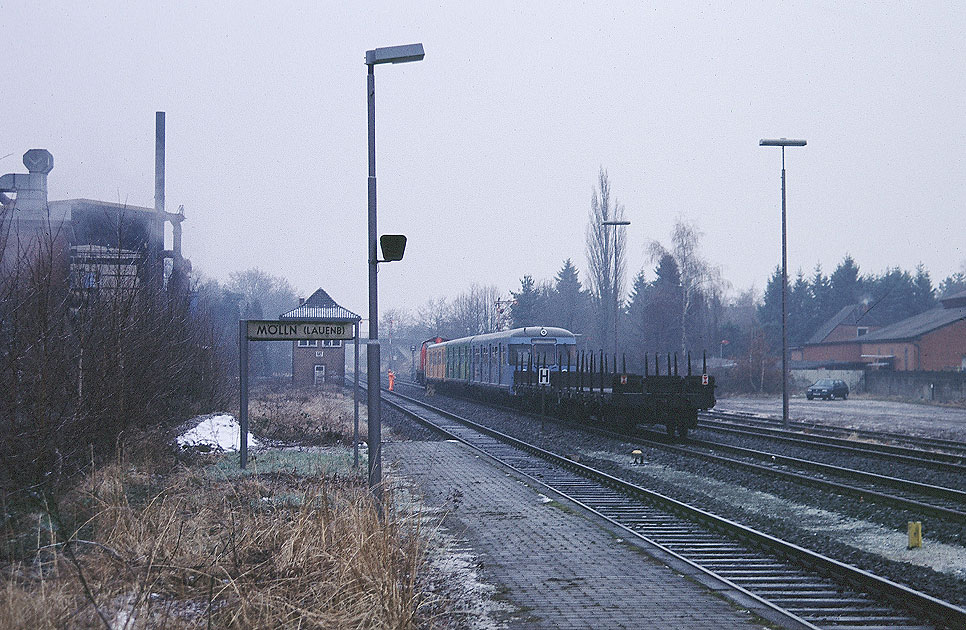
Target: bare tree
(603, 242)
(702, 285)
(265, 297)
(475, 312)
(433, 315)
(91, 358)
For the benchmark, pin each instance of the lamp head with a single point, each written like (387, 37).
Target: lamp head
(395, 54)
(781, 142)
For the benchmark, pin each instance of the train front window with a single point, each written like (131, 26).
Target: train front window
(544, 354)
(567, 354)
(518, 354)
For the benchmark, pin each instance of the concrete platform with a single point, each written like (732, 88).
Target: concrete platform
(555, 566)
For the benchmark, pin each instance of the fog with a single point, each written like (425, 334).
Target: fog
(489, 148)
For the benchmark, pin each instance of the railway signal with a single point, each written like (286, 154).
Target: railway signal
(393, 247)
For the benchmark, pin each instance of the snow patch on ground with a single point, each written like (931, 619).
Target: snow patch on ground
(218, 432)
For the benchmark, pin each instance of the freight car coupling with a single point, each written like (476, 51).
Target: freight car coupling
(540, 370)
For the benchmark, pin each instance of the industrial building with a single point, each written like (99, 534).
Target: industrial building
(93, 244)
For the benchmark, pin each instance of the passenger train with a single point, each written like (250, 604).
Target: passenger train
(495, 358)
(539, 368)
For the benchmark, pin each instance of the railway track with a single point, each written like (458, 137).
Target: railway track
(936, 453)
(793, 586)
(919, 498)
(922, 498)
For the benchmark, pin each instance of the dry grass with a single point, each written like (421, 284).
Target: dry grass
(309, 416)
(270, 550)
(294, 543)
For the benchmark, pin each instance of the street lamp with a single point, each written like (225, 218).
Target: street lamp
(391, 54)
(784, 142)
(616, 300)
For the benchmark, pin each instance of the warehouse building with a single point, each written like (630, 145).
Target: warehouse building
(91, 244)
(932, 341)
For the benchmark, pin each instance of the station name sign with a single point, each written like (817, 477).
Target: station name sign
(297, 330)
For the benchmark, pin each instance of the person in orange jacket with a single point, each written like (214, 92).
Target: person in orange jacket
(392, 379)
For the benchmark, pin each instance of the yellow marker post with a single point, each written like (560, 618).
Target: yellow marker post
(915, 534)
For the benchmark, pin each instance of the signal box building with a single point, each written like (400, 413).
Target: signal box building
(319, 362)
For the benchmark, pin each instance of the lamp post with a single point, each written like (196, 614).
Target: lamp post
(784, 142)
(391, 54)
(616, 298)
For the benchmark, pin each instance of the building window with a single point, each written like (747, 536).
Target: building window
(305, 343)
(318, 354)
(332, 343)
(861, 330)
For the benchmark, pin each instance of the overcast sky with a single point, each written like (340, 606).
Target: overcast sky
(488, 150)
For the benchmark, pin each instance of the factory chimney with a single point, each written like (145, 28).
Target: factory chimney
(156, 246)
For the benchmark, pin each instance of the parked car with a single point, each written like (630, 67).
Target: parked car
(827, 389)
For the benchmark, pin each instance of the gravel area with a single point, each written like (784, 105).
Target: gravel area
(860, 413)
(863, 535)
(869, 536)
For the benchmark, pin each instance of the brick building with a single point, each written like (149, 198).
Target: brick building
(930, 341)
(318, 362)
(836, 341)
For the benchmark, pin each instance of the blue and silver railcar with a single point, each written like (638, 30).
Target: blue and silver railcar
(493, 360)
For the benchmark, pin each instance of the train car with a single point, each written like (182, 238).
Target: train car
(538, 368)
(421, 371)
(495, 360)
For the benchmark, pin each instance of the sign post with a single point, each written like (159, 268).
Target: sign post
(243, 393)
(281, 330)
(355, 399)
(543, 380)
(543, 377)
